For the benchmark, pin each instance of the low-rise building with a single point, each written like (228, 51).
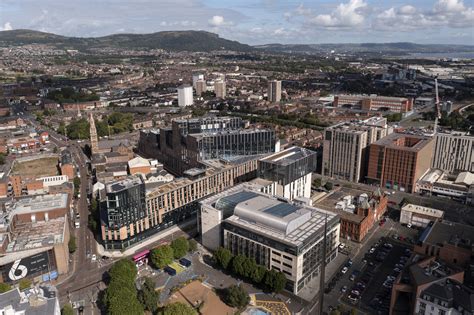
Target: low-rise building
(359, 210)
(449, 241)
(38, 300)
(458, 187)
(374, 103)
(419, 216)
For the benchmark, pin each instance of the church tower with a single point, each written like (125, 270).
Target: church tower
(93, 135)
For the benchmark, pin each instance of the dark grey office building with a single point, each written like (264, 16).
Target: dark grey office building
(123, 212)
(188, 142)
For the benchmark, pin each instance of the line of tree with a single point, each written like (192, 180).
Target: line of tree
(121, 296)
(69, 95)
(245, 267)
(164, 255)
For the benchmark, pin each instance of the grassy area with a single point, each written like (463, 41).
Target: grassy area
(37, 168)
(176, 267)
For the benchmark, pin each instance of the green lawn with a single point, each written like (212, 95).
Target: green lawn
(176, 267)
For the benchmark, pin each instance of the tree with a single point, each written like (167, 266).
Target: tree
(274, 281)
(121, 295)
(258, 274)
(124, 269)
(180, 247)
(328, 186)
(4, 287)
(148, 296)
(223, 257)
(72, 244)
(236, 296)
(178, 308)
(249, 266)
(2, 158)
(77, 185)
(162, 256)
(24, 284)
(67, 310)
(238, 265)
(193, 245)
(317, 182)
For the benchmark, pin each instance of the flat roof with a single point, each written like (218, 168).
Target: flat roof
(267, 215)
(123, 184)
(288, 156)
(390, 141)
(39, 234)
(423, 210)
(450, 232)
(39, 203)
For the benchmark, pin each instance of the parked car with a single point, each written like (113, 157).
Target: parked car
(372, 250)
(185, 262)
(344, 270)
(171, 271)
(344, 289)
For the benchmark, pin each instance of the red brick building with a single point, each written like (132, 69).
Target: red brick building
(398, 160)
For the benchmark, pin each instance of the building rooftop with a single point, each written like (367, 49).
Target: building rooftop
(274, 217)
(35, 301)
(423, 210)
(29, 235)
(404, 142)
(288, 156)
(38, 203)
(373, 96)
(442, 232)
(202, 135)
(123, 184)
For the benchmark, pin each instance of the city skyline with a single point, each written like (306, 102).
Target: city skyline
(261, 22)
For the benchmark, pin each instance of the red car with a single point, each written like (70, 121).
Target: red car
(382, 222)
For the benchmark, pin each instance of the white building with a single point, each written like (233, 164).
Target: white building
(196, 77)
(185, 96)
(279, 235)
(419, 216)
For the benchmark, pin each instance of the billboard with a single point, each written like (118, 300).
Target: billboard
(26, 267)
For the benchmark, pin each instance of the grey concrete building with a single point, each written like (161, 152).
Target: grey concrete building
(454, 152)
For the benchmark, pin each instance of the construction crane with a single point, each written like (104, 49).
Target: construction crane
(437, 108)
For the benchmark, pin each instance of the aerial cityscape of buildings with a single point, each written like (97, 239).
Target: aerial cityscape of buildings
(336, 182)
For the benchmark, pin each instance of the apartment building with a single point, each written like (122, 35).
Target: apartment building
(220, 89)
(345, 147)
(399, 160)
(454, 152)
(274, 91)
(167, 204)
(374, 103)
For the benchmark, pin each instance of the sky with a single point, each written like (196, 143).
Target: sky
(253, 21)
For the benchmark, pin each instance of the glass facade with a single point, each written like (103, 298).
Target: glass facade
(285, 173)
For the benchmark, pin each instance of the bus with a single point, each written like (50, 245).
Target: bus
(141, 258)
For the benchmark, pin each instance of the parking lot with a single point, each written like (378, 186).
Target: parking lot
(371, 286)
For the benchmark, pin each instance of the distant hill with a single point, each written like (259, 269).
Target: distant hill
(172, 41)
(366, 47)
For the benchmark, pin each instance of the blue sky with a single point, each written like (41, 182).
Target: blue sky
(253, 21)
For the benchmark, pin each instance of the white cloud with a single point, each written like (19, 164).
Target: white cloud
(6, 27)
(445, 13)
(350, 14)
(216, 21)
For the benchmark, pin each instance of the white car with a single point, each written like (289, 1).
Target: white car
(94, 257)
(372, 250)
(344, 270)
(342, 246)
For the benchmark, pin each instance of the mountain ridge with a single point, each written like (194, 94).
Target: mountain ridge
(207, 41)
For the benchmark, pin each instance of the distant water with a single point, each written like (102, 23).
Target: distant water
(460, 55)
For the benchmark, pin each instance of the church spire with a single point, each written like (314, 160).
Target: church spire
(93, 135)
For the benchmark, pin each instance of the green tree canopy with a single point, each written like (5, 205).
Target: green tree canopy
(4, 287)
(193, 245)
(148, 296)
(67, 310)
(180, 247)
(72, 244)
(274, 281)
(328, 186)
(78, 129)
(249, 266)
(124, 269)
(223, 257)
(238, 265)
(162, 256)
(178, 308)
(236, 296)
(258, 274)
(317, 182)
